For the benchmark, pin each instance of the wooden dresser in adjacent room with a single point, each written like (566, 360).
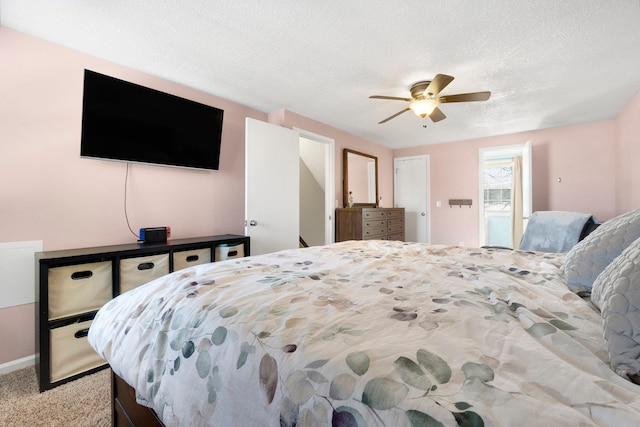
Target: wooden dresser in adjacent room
(369, 224)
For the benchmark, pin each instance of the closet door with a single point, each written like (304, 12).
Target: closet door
(272, 187)
(411, 191)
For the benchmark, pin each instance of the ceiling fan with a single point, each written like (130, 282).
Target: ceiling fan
(424, 99)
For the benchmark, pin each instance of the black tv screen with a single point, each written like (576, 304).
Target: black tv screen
(128, 122)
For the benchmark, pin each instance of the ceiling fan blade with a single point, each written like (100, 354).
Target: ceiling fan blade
(439, 82)
(394, 116)
(393, 98)
(437, 115)
(466, 97)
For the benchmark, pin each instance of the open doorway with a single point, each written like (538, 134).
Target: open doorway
(317, 188)
(273, 211)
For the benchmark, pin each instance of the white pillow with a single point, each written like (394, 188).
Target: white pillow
(586, 260)
(617, 292)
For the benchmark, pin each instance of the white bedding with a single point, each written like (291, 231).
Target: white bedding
(369, 333)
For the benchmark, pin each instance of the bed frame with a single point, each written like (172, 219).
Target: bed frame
(125, 411)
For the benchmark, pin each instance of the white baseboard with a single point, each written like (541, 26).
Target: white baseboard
(14, 365)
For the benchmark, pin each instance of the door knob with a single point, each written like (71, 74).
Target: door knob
(253, 223)
(423, 214)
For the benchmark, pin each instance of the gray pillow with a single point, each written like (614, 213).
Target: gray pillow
(586, 260)
(617, 291)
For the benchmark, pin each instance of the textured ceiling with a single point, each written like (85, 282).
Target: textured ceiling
(547, 63)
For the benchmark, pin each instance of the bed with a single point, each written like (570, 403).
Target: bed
(383, 333)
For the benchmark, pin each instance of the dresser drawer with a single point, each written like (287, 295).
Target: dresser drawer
(140, 270)
(71, 353)
(395, 226)
(376, 223)
(368, 214)
(374, 237)
(78, 288)
(184, 259)
(396, 236)
(396, 222)
(395, 213)
(374, 231)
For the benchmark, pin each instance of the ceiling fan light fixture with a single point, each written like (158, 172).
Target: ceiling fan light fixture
(425, 98)
(423, 107)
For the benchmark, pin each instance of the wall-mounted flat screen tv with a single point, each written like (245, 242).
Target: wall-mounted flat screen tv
(128, 122)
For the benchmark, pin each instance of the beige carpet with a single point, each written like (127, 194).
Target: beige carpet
(84, 402)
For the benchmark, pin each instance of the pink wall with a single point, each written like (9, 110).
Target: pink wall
(48, 193)
(582, 156)
(628, 157)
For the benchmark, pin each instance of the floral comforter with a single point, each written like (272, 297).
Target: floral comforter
(368, 333)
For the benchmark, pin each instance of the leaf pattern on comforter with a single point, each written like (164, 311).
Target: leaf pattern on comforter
(366, 333)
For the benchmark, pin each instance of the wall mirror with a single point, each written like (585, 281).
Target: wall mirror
(360, 177)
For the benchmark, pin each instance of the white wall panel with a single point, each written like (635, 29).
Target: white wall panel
(17, 272)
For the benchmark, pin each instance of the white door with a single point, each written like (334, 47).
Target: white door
(272, 182)
(411, 192)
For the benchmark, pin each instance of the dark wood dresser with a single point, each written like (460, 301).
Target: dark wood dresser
(369, 224)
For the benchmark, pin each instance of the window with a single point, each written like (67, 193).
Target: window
(497, 179)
